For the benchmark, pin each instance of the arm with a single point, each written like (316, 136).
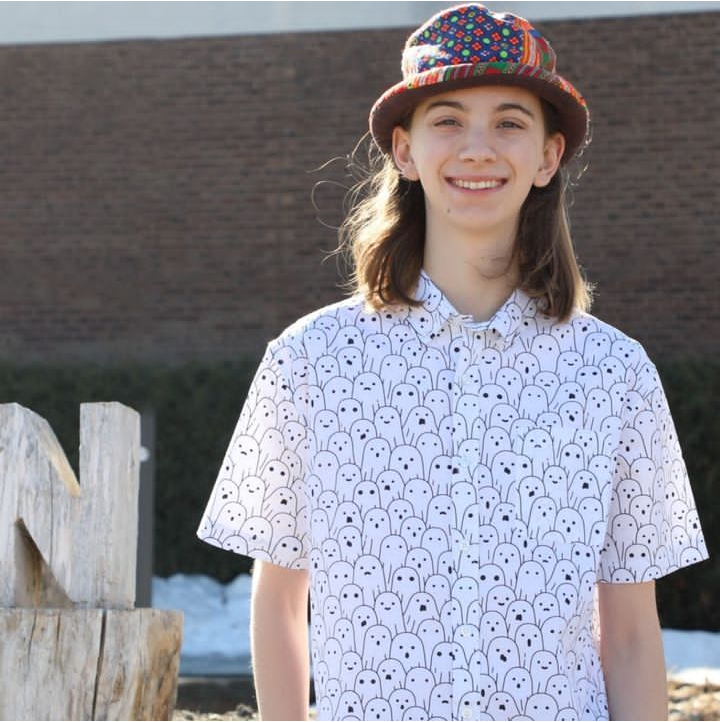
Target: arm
(279, 641)
(631, 652)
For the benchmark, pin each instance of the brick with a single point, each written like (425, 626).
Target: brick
(156, 195)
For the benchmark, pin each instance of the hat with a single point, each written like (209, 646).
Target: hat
(469, 45)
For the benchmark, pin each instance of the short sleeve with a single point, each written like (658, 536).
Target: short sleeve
(258, 504)
(653, 525)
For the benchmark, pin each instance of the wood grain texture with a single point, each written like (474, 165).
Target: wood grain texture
(105, 543)
(37, 489)
(61, 537)
(71, 645)
(89, 664)
(138, 671)
(48, 660)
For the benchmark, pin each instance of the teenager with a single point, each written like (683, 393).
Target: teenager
(476, 480)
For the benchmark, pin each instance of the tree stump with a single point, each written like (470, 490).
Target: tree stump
(72, 647)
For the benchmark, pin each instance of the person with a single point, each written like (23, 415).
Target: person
(476, 480)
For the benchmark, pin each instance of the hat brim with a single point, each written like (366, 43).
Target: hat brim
(397, 102)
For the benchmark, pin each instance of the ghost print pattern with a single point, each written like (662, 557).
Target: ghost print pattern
(456, 491)
(258, 506)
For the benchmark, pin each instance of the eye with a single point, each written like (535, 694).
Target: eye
(507, 123)
(447, 122)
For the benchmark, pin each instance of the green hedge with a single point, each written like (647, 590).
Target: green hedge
(196, 410)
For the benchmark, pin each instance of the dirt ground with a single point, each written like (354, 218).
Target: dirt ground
(217, 699)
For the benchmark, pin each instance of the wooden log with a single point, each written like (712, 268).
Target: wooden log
(106, 519)
(67, 543)
(69, 552)
(89, 664)
(36, 485)
(32, 684)
(141, 656)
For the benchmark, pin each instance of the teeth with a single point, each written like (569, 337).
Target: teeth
(477, 185)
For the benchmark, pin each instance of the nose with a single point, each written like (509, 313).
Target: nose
(477, 147)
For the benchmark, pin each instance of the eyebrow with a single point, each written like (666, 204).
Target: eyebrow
(515, 106)
(499, 109)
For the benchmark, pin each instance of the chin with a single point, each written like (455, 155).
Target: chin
(499, 228)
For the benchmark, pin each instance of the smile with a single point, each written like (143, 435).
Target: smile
(476, 185)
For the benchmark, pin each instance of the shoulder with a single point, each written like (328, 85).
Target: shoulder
(319, 332)
(588, 340)
(594, 338)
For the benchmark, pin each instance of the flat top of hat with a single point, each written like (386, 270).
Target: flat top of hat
(470, 45)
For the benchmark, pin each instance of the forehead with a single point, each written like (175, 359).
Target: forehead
(484, 98)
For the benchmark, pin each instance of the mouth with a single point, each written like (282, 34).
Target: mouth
(477, 185)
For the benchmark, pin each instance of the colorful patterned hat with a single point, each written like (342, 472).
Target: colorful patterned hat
(469, 45)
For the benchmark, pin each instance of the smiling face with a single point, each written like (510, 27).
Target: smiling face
(477, 152)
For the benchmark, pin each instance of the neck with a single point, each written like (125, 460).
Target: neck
(474, 272)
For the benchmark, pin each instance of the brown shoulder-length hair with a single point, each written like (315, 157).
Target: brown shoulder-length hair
(383, 236)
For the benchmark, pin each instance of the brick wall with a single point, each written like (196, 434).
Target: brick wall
(155, 196)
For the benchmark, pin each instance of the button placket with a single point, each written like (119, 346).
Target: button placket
(468, 524)
(460, 543)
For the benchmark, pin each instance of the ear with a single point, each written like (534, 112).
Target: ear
(402, 155)
(552, 155)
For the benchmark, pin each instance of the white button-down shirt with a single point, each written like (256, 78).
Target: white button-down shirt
(456, 490)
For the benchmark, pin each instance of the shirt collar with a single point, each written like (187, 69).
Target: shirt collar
(436, 312)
